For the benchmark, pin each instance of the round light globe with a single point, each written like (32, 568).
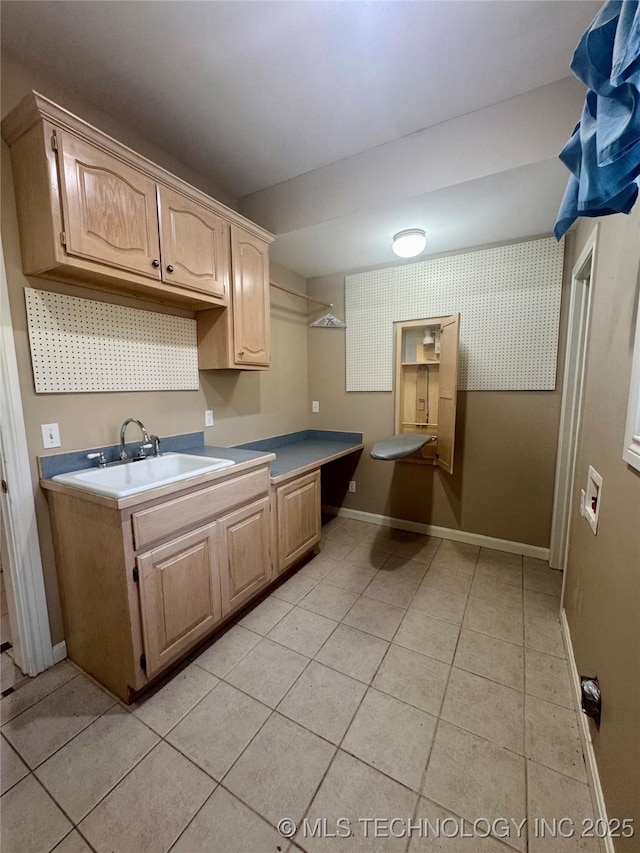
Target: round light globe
(409, 243)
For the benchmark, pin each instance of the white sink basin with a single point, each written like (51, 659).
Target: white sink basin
(120, 481)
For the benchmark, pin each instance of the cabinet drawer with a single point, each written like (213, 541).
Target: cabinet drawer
(158, 522)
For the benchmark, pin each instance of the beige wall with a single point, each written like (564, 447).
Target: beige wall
(246, 405)
(602, 597)
(506, 443)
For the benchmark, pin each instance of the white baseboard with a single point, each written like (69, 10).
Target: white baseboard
(585, 736)
(442, 532)
(59, 651)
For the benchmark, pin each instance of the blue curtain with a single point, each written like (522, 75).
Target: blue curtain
(603, 154)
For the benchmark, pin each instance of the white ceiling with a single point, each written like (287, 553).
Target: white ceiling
(336, 123)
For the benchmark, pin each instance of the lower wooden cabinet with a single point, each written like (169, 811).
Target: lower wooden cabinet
(142, 584)
(179, 587)
(297, 527)
(245, 554)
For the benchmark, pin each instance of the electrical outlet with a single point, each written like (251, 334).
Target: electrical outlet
(315, 406)
(352, 485)
(50, 435)
(208, 417)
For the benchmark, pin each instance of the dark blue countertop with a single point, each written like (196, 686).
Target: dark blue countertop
(295, 452)
(236, 454)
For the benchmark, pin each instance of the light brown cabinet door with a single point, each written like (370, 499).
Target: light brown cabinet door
(448, 391)
(245, 554)
(195, 245)
(298, 518)
(109, 209)
(251, 303)
(179, 588)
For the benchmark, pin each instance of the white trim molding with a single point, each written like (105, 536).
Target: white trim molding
(442, 532)
(631, 447)
(582, 275)
(31, 623)
(591, 764)
(60, 651)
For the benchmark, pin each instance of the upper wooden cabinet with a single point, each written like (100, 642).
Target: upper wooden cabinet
(109, 210)
(427, 385)
(251, 318)
(240, 337)
(95, 213)
(194, 244)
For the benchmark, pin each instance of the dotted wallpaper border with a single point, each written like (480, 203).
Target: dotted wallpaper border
(78, 345)
(508, 298)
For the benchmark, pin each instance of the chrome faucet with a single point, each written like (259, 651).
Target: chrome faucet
(146, 441)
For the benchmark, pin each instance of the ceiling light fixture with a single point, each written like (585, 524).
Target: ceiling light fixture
(409, 243)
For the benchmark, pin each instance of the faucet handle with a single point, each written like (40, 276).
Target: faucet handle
(102, 459)
(142, 448)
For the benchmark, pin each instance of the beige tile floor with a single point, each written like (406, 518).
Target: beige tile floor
(393, 676)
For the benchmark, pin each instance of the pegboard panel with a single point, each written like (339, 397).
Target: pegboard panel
(78, 345)
(509, 301)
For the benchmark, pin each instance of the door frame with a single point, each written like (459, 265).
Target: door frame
(29, 617)
(582, 276)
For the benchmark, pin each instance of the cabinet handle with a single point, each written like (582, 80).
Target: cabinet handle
(170, 268)
(155, 262)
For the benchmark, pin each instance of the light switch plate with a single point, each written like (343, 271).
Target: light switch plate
(352, 485)
(315, 406)
(50, 435)
(593, 498)
(208, 417)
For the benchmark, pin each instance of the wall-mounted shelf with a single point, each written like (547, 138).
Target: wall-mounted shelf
(426, 385)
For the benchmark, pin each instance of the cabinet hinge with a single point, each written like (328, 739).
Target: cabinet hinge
(143, 662)
(5, 488)
(63, 238)
(54, 141)
(136, 575)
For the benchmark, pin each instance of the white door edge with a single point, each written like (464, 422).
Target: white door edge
(570, 417)
(30, 622)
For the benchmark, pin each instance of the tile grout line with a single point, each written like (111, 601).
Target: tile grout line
(435, 728)
(79, 732)
(424, 775)
(444, 695)
(74, 825)
(44, 696)
(338, 747)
